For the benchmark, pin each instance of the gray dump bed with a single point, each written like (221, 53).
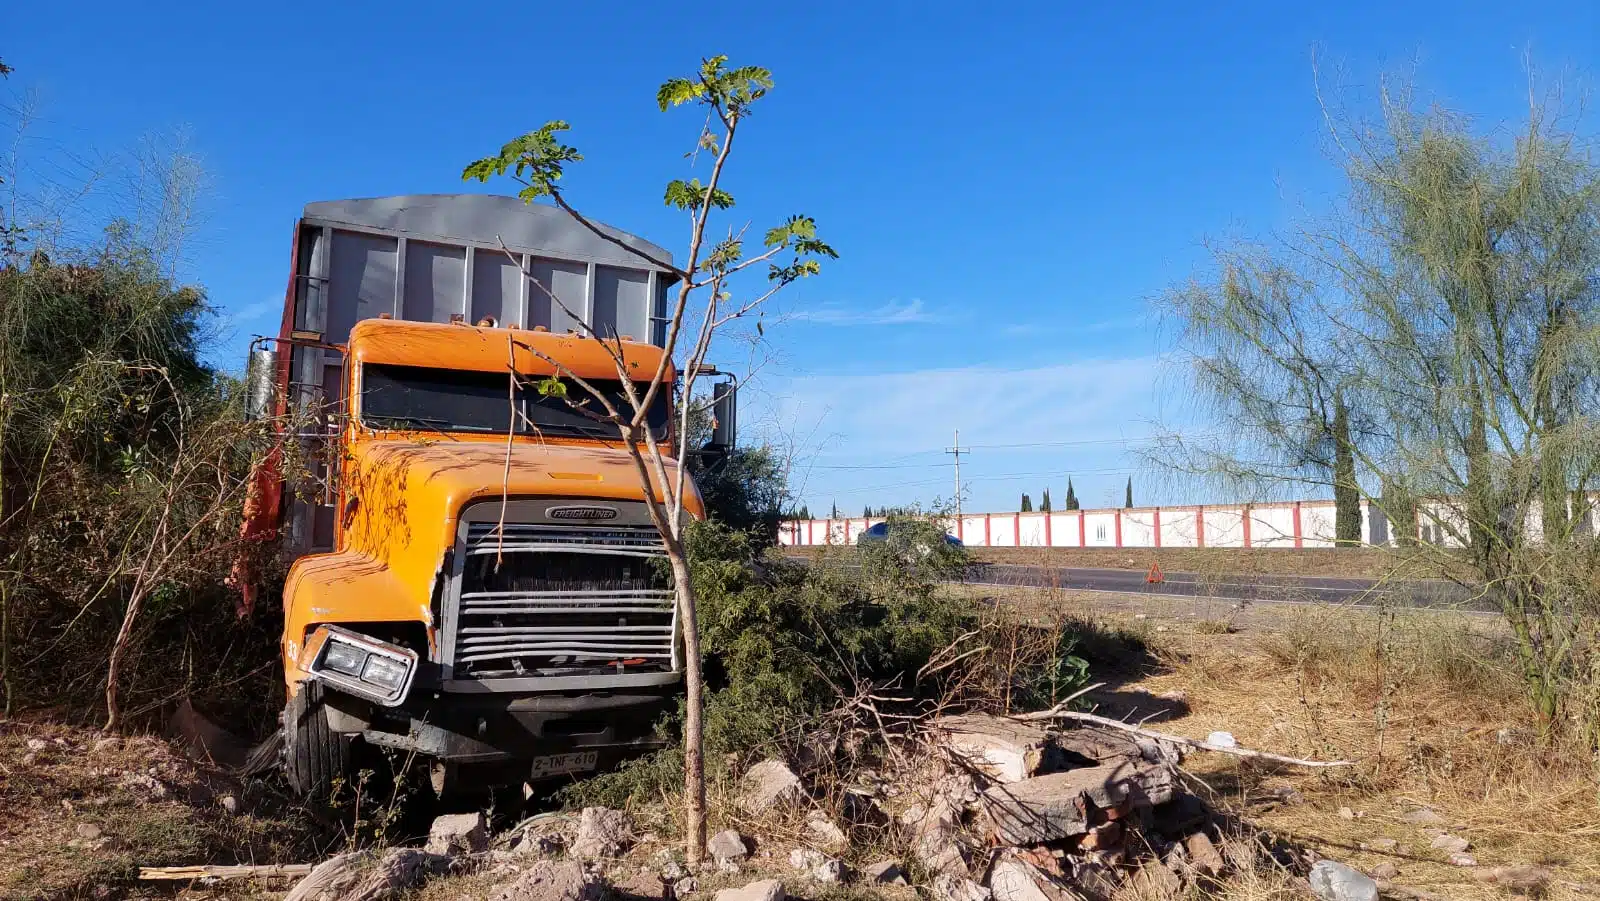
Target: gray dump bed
(444, 258)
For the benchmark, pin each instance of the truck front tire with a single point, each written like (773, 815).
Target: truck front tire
(314, 756)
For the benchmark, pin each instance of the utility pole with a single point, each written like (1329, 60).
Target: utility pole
(957, 451)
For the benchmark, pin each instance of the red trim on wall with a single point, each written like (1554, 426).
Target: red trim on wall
(1083, 532)
(1245, 518)
(1047, 540)
(986, 530)
(1119, 528)
(1200, 526)
(1158, 527)
(827, 532)
(1016, 529)
(1297, 536)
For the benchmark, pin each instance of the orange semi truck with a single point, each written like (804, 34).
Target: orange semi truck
(474, 578)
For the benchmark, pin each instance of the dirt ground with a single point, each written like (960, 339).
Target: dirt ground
(1423, 703)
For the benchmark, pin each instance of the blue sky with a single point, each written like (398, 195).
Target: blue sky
(1008, 184)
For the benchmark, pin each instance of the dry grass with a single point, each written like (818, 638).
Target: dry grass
(83, 813)
(1429, 707)
(1369, 563)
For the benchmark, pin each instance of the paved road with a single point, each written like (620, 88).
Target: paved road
(1264, 588)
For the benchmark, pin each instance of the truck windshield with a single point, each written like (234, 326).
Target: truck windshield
(417, 398)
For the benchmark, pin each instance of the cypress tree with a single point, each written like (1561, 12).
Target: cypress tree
(1072, 496)
(1127, 503)
(1027, 504)
(1044, 501)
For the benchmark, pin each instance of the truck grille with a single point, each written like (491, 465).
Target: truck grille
(563, 600)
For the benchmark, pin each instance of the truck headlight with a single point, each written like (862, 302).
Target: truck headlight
(359, 664)
(386, 672)
(343, 657)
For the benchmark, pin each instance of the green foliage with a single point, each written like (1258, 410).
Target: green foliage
(1064, 671)
(1071, 503)
(744, 490)
(118, 453)
(1128, 500)
(692, 195)
(1044, 501)
(538, 159)
(1027, 504)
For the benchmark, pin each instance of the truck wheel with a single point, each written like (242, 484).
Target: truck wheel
(314, 756)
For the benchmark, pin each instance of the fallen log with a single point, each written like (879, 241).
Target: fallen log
(1197, 744)
(240, 871)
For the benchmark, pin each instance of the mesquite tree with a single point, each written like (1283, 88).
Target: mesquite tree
(1431, 345)
(710, 294)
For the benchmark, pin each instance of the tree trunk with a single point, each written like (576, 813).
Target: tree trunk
(1346, 492)
(694, 771)
(1482, 511)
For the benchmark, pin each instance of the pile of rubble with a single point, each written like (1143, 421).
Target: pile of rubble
(1020, 812)
(986, 808)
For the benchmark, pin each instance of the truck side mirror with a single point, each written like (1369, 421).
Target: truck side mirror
(724, 416)
(261, 375)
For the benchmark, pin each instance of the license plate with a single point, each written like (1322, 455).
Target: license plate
(556, 764)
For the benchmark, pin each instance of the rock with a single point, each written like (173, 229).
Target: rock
(1203, 854)
(1222, 740)
(685, 887)
(1154, 880)
(37, 744)
(933, 829)
(229, 803)
(1385, 871)
(1422, 816)
(824, 832)
(1531, 880)
(768, 784)
(765, 890)
(602, 832)
(885, 872)
(1002, 749)
(1057, 805)
(1346, 813)
(1450, 844)
(550, 880)
(89, 831)
(455, 834)
(1333, 881)
(727, 847)
(949, 887)
(1463, 860)
(1099, 838)
(1287, 794)
(817, 866)
(363, 876)
(1385, 845)
(1012, 879)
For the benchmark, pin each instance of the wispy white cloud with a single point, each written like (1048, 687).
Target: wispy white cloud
(894, 312)
(901, 412)
(1124, 323)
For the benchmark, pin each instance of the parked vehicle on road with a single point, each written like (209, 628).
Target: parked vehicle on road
(880, 532)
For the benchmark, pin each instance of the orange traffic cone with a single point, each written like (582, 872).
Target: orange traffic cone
(1154, 576)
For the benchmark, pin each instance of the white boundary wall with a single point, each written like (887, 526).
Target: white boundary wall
(1286, 524)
